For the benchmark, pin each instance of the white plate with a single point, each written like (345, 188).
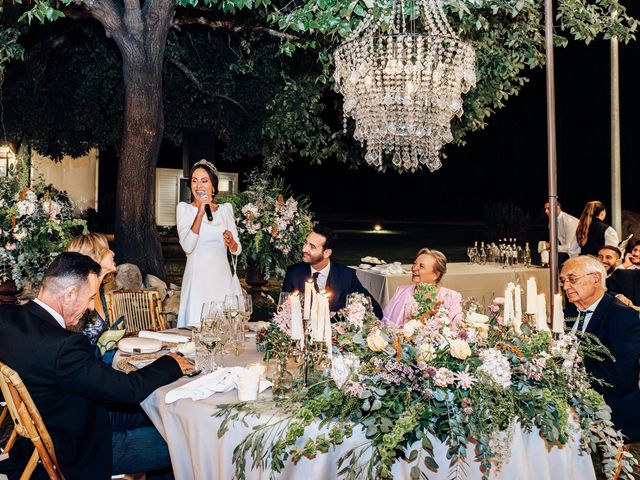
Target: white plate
(364, 266)
(139, 345)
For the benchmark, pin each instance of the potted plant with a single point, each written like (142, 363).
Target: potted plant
(36, 223)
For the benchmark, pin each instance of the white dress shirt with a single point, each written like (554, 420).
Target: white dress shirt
(587, 317)
(567, 226)
(52, 312)
(323, 275)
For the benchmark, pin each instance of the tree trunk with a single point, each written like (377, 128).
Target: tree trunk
(140, 31)
(136, 234)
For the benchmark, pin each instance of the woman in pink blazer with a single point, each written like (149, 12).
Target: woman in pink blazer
(428, 267)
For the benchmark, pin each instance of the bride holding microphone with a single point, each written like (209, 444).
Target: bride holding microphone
(205, 229)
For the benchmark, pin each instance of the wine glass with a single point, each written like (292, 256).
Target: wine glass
(470, 254)
(409, 311)
(283, 299)
(232, 305)
(210, 312)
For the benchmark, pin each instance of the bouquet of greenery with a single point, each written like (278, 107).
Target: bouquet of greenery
(36, 223)
(272, 225)
(466, 382)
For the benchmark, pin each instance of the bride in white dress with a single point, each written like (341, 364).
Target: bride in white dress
(207, 276)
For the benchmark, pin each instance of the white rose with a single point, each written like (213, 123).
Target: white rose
(376, 342)
(426, 352)
(459, 349)
(343, 367)
(478, 320)
(410, 327)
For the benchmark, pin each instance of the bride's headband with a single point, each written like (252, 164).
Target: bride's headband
(206, 163)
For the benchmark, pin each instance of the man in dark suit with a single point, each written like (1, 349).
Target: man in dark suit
(70, 387)
(317, 265)
(618, 328)
(625, 285)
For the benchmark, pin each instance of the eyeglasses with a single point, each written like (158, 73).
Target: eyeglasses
(573, 279)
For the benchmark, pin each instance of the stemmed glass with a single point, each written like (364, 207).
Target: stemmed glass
(283, 299)
(210, 312)
(232, 310)
(470, 254)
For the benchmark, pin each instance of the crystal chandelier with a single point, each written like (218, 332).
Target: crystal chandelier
(402, 86)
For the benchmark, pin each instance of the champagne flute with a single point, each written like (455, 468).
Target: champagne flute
(283, 299)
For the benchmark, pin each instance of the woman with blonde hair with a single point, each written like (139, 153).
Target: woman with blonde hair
(429, 266)
(96, 246)
(592, 233)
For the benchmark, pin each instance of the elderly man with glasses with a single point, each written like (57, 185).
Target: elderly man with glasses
(618, 328)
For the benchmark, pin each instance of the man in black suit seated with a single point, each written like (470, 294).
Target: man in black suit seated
(316, 264)
(625, 285)
(618, 328)
(72, 388)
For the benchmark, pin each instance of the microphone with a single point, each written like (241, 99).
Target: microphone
(207, 208)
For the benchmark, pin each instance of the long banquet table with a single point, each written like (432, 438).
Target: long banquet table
(197, 453)
(482, 282)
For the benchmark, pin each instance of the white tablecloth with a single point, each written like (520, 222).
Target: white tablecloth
(197, 453)
(483, 282)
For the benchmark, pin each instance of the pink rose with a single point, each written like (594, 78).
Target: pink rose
(498, 301)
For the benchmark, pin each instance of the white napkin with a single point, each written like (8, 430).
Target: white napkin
(164, 337)
(218, 381)
(389, 269)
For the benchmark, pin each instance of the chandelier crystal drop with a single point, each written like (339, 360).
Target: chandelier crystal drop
(403, 87)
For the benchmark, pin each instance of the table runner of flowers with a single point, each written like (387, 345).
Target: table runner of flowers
(465, 382)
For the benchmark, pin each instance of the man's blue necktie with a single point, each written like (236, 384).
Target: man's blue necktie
(582, 316)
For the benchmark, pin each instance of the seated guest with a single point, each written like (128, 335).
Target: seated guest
(429, 266)
(609, 256)
(327, 274)
(71, 388)
(625, 286)
(618, 328)
(95, 245)
(632, 259)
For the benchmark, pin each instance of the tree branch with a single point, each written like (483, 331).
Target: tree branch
(109, 15)
(199, 85)
(133, 18)
(232, 27)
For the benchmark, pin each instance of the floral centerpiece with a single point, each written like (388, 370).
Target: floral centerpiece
(272, 225)
(465, 382)
(36, 223)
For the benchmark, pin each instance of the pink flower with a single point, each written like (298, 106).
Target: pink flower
(498, 301)
(494, 308)
(500, 320)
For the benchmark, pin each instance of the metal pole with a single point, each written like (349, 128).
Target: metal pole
(616, 196)
(551, 152)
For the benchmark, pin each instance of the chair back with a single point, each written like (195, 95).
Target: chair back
(28, 423)
(140, 308)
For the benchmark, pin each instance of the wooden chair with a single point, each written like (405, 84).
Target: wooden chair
(142, 309)
(28, 423)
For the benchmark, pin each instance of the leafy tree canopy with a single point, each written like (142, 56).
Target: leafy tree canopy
(67, 96)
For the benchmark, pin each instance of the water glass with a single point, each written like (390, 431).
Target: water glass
(409, 311)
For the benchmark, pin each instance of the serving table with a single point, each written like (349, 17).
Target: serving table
(191, 432)
(482, 282)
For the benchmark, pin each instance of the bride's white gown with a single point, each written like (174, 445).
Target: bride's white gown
(207, 276)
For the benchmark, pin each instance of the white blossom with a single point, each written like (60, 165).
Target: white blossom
(496, 366)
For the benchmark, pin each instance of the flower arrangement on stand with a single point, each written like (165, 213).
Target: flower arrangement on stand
(36, 223)
(466, 382)
(272, 225)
